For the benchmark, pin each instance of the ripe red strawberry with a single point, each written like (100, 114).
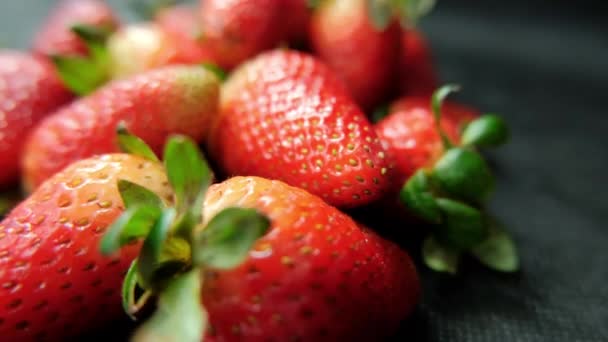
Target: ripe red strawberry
(55, 35)
(367, 58)
(417, 73)
(175, 99)
(235, 30)
(316, 275)
(55, 283)
(29, 90)
(410, 137)
(284, 115)
(442, 178)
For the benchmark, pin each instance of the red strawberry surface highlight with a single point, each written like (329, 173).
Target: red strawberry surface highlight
(55, 36)
(177, 99)
(55, 283)
(29, 90)
(365, 57)
(285, 115)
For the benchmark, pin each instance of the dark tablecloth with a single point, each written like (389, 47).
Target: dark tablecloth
(544, 65)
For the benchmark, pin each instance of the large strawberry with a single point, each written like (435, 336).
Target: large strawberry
(444, 180)
(417, 70)
(55, 283)
(365, 56)
(175, 99)
(235, 30)
(55, 36)
(29, 90)
(284, 115)
(314, 275)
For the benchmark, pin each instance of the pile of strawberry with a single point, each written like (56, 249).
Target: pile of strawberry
(311, 113)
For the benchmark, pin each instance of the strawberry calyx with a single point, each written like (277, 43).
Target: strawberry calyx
(383, 12)
(452, 193)
(83, 74)
(177, 249)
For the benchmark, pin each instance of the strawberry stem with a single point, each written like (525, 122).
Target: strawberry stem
(436, 101)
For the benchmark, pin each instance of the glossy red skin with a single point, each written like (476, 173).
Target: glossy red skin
(298, 15)
(183, 25)
(285, 115)
(54, 282)
(417, 71)
(29, 90)
(316, 276)
(235, 30)
(367, 59)
(54, 35)
(153, 105)
(410, 137)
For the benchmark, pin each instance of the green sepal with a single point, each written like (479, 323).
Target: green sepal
(380, 113)
(488, 130)
(226, 240)
(313, 4)
(380, 13)
(134, 195)
(180, 315)
(497, 251)
(410, 11)
(134, 223)
(216, 70)
(440, 258)
(465, 174)
(80, 74)
(190, 176)
(132, 144)
(151, 253)
(417, 196)
(84, 74)
(436, 102)
(463, 226)
(130, 304)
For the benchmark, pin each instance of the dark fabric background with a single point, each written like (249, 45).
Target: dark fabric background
(544, 65)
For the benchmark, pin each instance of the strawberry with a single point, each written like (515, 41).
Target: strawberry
(284, 115)
(55, 283)
(298, 14)
(55, 36)
(417, 71)
(235, 30)
(268, 262)
(173, 38)
(409, 134)
(366, 57)
(29, 90)
(444, 180)
(174, 99)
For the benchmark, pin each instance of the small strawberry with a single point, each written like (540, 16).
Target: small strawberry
(29, 90)
(284, 115)
(269, 262)
(55, 283)
(235, 30)
(417, 70)
(174, 99)
(444, 180)
(365, 56)
(55, 36)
